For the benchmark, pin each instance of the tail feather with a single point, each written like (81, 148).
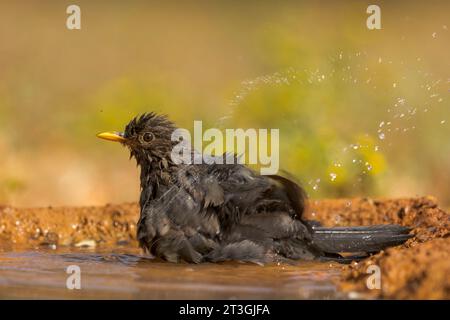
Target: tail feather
(359, 239)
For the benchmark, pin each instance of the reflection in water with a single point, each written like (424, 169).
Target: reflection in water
(126, 273)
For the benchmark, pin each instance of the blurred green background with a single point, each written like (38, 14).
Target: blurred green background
(360, 112)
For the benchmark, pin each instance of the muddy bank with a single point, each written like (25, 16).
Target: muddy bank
(417, 269)
(68, 226)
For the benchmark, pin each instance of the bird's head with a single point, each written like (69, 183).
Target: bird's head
(147, 136)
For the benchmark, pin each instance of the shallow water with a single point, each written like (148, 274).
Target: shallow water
(126, 273)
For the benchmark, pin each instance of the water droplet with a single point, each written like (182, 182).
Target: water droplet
(394, 85)
(443, 121)
(381, 136)
(377, 148)
(434, 34)
(333, 176)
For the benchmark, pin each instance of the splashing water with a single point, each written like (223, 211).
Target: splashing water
(399, 116)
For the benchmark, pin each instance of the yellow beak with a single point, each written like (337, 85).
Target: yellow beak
(112, 136)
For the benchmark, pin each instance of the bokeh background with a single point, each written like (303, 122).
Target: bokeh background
(360, 112)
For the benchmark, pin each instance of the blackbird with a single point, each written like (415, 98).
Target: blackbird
(218, 212)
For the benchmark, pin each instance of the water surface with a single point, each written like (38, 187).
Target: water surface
(126, 273)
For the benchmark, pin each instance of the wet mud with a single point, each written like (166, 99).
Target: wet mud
(36, 244)
(418, 269)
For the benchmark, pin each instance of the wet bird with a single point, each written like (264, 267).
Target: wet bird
(218, 212)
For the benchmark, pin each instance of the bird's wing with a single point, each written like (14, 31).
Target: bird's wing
(224, 191)
(202, 186)
(295, 195)
(234, 187)
(218, 185)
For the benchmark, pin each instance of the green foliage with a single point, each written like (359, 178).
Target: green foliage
(314, 72)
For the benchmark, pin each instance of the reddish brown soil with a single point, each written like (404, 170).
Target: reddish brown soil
(107, 225)
(418, 269)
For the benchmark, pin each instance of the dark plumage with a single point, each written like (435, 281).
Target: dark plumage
(219, 212)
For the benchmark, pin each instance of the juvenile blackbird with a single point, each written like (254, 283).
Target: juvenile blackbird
(218, 212)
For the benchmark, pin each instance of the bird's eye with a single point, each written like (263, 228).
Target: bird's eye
(148, 136)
